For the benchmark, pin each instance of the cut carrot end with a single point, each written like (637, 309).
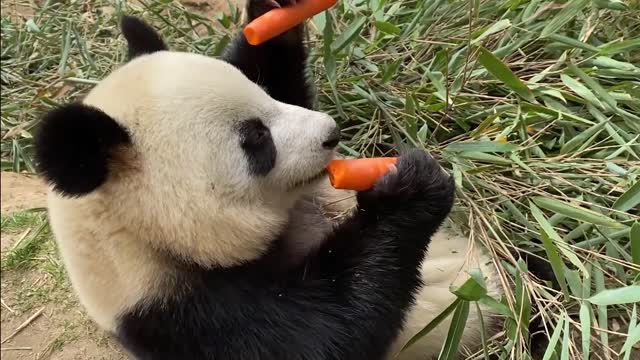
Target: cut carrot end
(358, 174)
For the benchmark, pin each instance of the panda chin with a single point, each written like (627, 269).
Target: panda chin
(310, 180)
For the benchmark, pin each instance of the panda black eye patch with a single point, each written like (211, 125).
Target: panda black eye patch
(258, 146)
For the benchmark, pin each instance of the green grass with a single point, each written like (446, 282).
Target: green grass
(32, 233)
(533, 105)
(31, 267)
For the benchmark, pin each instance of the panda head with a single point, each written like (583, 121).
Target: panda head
(184, 151)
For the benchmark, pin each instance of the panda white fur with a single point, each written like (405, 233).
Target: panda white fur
(190, 207)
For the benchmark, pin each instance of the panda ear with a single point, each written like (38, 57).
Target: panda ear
(75, 146)
(141, 38)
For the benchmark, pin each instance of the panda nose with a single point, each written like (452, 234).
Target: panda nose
(333, 139)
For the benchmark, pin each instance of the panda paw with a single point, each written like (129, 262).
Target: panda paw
(417, 185)
(257, 8)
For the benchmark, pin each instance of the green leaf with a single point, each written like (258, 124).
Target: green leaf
(423, 133)
(581, 139)
(624, 295)
(484, 125)
(481, 146)
(497, 306)
(523, 303)
(562, 246)
(607, 62)
(611, 4)
(573, 42)
(634, 238)
(630, 199)
(603, 318)
(347, 36)
(496, 27)
(410, 117)
(388, 28)
(551, 347)
(31, 26)
(473, 289)
(502, 72)
(320, 19)
(580, 90)
(391, 70)
(328, 58)
(573, 279)
(433, 324)
(595, 86)
(633, 335)
(567, 13)
(585, 325)
(483, 157)
(564, 354)
(622, 46)
(450, 349)
(221, 45)
(557, 265)
(575, 212)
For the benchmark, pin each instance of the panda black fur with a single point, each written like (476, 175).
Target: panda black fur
(192, 217)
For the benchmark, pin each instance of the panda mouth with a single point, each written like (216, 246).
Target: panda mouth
(310, 180)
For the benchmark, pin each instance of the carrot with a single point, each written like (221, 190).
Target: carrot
(358, 174)
(279, 20)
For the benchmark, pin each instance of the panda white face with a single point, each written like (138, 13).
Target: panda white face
(199, 120)
(185, 152)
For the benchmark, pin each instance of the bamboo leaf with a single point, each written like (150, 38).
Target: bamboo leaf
(633, 335)
(348, 35)
(573, 42)
(494, 28)
(433, 324)
(388, 28)
(450, 349)
(556, 262)
(585, 327)
(562, 246)
(564, 354)
(581, 139)
(624, 295)
(502, 72)
(473, 289)
(483, 157)
(571, 10)
(618, 47)
(580, 90)
(630, 199)
(634, 237)
(482, 146)
(575, 212)
(595, 86)
(553, 341)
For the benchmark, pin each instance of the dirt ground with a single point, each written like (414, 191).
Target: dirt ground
(40, 315)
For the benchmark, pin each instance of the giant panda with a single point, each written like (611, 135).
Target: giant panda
(191, 209)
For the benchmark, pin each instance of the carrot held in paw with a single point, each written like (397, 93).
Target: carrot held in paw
(277, 21)
(358, 174)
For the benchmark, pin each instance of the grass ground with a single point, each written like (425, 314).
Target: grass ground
(534, 105)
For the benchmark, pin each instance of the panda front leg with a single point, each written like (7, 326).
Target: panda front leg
(279, 64)
(367, 273)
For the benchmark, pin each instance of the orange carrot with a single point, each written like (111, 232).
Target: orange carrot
(279, 20)
(358, 174)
